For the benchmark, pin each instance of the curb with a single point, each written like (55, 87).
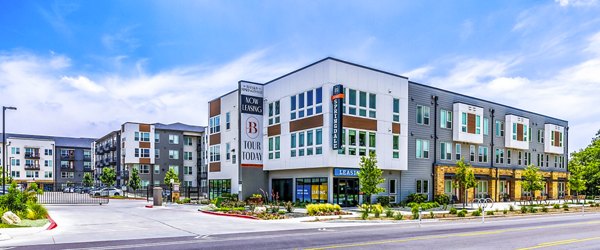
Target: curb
(231, 215)
(52, 225)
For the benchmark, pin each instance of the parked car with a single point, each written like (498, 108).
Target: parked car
(108, 192)
(69, 190)
(85, 190)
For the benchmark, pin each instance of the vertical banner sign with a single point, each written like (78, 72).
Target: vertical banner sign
(251, 119)
(337, 98)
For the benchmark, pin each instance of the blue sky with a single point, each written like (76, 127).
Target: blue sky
(81, 68)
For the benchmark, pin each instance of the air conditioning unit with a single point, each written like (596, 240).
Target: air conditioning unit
(392, 199)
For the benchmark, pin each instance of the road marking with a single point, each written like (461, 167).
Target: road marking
(560, 242)
(468, 234)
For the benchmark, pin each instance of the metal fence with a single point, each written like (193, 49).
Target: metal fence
(193, 193)
(70, 194)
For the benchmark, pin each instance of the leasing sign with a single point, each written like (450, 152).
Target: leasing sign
(251, 118)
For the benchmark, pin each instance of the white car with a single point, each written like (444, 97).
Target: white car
(108, 192)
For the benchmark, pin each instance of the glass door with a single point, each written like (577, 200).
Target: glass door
(345, 191)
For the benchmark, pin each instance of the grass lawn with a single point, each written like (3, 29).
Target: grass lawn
(26, 223)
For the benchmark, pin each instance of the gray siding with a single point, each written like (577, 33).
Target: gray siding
(164, 146)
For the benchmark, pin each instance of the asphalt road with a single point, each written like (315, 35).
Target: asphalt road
(539, 232)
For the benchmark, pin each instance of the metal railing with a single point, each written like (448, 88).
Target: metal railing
(70, 194)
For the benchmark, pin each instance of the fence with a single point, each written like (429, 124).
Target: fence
(193, 193)
(70, 194)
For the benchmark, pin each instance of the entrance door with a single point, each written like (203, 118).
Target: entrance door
(345, 191)
(283, 188)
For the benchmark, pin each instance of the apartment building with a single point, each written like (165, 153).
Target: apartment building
(153, 149)
(302, 135)
(47, 160)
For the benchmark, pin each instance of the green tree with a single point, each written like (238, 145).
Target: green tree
(88, 180)
(9, 178)
(586, 162)
(532, 180)
(465, 178)
(577, 182)
(134, 181)
(171, 175)
(370, 177)
(108, 176)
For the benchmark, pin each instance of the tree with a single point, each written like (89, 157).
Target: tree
(9, 178)
(532, 180)
(171, 175)
(587, 163)
(134, 180)
(108, 176)
(370, 177)
(577, 182)
(88, 180)
(465, 178)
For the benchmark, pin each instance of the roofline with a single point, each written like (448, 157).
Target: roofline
(487, 101)
(223, 95)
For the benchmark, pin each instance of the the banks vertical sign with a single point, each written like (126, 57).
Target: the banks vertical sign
(337, 99)
(251, 117)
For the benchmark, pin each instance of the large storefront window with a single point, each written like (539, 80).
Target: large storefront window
(312, 190)
(283, 188)
(482, 189)
(219, 187)
(561, 190)
(346, 190)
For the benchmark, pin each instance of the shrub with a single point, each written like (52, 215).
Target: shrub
(511, 208)
(14, 200)
(565, 207)
(417, 198)
(453, 210)
(462, 213)
(504, 211)
(425, 205)
(281, 212)
(383, 200)
(415, 212)
(377, 209)
(476, 213)
(317, 209)
(389, 213)
(398, 216)
(289, 207)
(36, 211)
(431, 214)
(442, 199)
(489, 213)
(544, 209)
(523, 209)
(533, 210)
(556, 206)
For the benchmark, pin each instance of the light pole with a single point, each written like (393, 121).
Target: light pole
(4, 108)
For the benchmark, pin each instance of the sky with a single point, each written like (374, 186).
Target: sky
(82, 68)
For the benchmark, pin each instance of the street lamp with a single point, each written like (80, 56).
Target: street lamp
(4, 108)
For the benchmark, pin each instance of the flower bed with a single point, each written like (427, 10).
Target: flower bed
(325, 209)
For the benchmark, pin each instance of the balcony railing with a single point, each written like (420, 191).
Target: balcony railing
(67, 157)
(32, 155)
(112, 147)
(32, 166)
(99, 150)
(67, 168)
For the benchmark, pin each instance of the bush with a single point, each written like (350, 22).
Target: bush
(533, 210)
(489, 213)
(281, 212)
(462, 213)
(425, 205)
(556, 206)
(431, 214)
(417, 198)
(36, 211)
(383, 200)
(511, 208)
(389, 213)
(317, 209)
(377, 209)
(415, 212)
(476, 213)
(565, 207)
(544, 209)
(442, 199)
(523, 209)
(453, 210)
(504, 211)
(14, 200)
(398, 216)
(289, 207)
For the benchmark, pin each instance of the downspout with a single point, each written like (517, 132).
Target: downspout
(492, 122)
(435, 123)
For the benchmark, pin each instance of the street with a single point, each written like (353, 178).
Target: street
(573, 231)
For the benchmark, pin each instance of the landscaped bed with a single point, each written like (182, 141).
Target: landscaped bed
(27, 223)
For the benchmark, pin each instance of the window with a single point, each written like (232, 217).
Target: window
(547, 160)
(156, 138)
(463, 122)
(216, 188)
(227, 151)
(15, 150)
(175, 169)
(188, 170)
(187, 156)
(556, 161)
(156, 153)
(67, 175)
(274, 110)
(15, 162)
(472, 153)
(500, 156)
(87, 165)
(422, 149)
(308, 142)
(87, 154)
(358, 142)
(445, 151)
(396, 110)
(486, 126)
(540, 136)
(360, 103)
(64, 164)
(508, 156)
(302, 105)
(520, 158)
(422, 115)
(392, 186)
(141, 136)
(47, 151)
(313, 190)
(483, 154)
(499, 128)
(47, 163)
(157, 169)
(188, 141)
(482, 189)
(214, 124)
(274, 147)
(174, 154)
(144, 169)
(527, 158)
(448, 189)
(422, 187)
(142, 152)
(554, 138)
(187, 183)
(173, 139)
(15, 174)
(477, 125)
(215, 153)
(396, 146)
(458, 151)
(446, 119)
(228, 120)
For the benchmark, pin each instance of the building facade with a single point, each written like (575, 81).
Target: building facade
(312, 126)
(153, 149)
(47, 160)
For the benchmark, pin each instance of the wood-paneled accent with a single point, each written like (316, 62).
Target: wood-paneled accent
(214, 139)
(519, 132)
(144, 160)
(144, 144)
(274, 130)
(556, 138)
(215, 107)
(214, 167)
(144, 127)
(306, 123)
(471, 120)
(395, 128)
(359, 123)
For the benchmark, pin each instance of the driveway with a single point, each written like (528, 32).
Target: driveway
(129, 219)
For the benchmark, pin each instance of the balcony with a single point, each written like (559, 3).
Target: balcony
(69, 157)
(203, 175)
(106, 147)
(99, 150)
(98, 163)
(32, 155)
(32, 166)
(112, 161)
(112, 147)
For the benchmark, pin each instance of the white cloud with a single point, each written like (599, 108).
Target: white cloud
(577, 3)
(418, 73)
(83, 83)
(466, 29)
